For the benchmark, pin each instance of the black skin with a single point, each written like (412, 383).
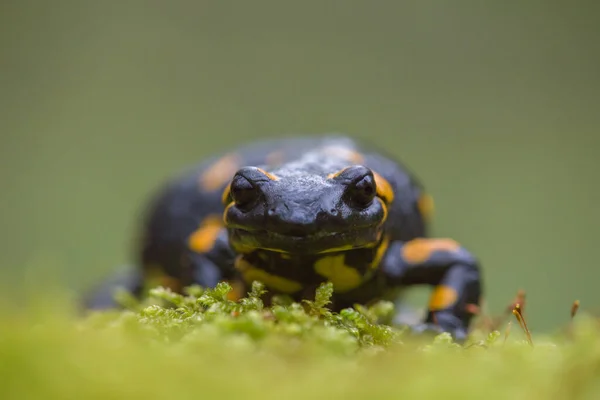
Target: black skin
(317, 205)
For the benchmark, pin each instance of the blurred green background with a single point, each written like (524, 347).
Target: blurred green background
(494, 104)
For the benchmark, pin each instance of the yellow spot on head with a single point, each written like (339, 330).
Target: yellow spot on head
(250, 273)
(336, 174)
(356, 157)
(384, 189)
(419, 250)
(345, 153)
(268, 174)
(426, 206)
(343, 277)
(220, 172)
(442, 297)
(225, 196)
(203, 239)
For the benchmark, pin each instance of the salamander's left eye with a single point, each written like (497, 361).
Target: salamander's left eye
(243, 192)
(362, 192)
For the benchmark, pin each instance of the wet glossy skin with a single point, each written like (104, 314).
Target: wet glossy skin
(296, 212)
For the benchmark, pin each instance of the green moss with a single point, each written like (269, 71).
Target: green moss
(202, 345)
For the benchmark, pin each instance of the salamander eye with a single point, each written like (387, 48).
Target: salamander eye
(362, 192)
(243, 192)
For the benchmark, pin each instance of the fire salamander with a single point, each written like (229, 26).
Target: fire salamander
(293, 213)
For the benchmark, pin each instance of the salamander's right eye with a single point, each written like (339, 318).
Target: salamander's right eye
(243, 192)
(363, 192)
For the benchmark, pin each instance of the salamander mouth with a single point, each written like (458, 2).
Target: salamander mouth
(314, 243)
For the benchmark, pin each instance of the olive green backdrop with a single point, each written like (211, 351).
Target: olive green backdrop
(494, 104)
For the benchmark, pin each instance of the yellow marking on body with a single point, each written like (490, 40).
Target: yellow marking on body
(442, 297)
(155, 276)
(343, 277)
(383, 246)
(237, 291)
(220, 172)
(336, 174)
(203, 239)
(171, 283)
(384, 189)
(345, 153)
(268, 174)
(426, 206)
(419, 250)
(242, 248)
(251, 273)
(274, 158)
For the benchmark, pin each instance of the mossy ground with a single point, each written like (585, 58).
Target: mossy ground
(207, 347)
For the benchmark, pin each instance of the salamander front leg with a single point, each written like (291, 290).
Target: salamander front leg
(452, 271)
